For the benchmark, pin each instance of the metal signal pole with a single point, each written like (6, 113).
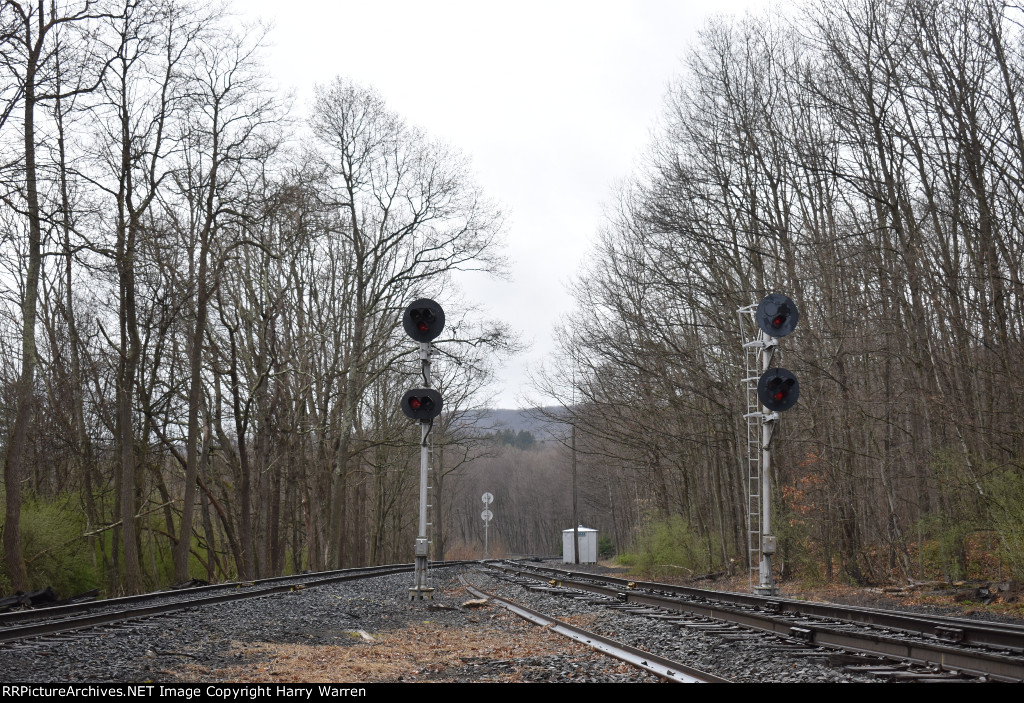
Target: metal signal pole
(486, 516)
(423, 320)
(766, 584)
(775, 390)
(420, 590)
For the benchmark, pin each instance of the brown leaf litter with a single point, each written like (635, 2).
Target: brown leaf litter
(423, 651)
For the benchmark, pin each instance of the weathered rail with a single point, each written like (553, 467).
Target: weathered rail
(21, 625)
(659, 666)
(988, 650)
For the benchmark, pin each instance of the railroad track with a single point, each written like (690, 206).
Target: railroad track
(665, 669)
(886, 643)
(118, 640)
(26, 624)
(738, 636)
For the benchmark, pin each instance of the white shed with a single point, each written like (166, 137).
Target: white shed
(588, 546)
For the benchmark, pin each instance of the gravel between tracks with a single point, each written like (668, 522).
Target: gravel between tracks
(746, 658)
(367, 631)
(360, 631)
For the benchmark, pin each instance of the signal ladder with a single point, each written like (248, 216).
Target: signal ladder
(753, 347)
(431, 495)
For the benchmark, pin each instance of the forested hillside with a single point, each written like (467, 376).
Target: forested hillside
(865, 158)
(202, 293)
(201, 353)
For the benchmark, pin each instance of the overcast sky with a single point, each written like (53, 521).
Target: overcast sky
(554, 103)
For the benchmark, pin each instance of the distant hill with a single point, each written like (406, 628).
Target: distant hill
(531, 420)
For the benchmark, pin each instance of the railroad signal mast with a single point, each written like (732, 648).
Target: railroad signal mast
(769, 391)
(486, 516)
(423, 320)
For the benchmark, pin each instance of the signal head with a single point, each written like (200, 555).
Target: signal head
(777, 315)
(778, 389)
(422, 404)
(423, 320)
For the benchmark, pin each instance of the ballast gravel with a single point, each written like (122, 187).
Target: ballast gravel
(362, 631)
(738, 655)
(368, 631)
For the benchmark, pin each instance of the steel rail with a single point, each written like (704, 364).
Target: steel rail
(977, 662)
(70, 624)
(1001, 636)
(659, 666)
(49, 612)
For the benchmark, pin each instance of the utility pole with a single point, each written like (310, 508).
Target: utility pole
(575, 503)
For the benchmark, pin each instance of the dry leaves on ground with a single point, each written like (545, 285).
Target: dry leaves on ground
(420, 652)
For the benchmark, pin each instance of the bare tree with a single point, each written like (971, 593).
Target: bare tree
(142, 99)
(409, 216)
(230, 135)
(29, 45)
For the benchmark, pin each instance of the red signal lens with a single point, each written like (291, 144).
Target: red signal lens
(778, 321)
(423, 320)
(414, 403)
